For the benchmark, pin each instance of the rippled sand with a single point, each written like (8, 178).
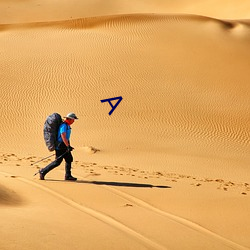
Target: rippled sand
(169, 169)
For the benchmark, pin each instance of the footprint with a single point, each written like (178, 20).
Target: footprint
(128, 205)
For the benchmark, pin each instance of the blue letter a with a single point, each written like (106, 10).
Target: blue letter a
(119, 98)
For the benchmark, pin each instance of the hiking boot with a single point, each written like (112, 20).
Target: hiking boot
(70, 178)
(41, 175)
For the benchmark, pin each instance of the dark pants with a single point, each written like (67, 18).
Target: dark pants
(67, 156)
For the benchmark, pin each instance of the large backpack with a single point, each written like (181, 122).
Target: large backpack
(50, 130)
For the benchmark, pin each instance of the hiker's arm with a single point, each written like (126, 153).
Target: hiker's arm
(66, 142)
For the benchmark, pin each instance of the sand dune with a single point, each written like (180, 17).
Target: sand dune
(37, 11)
(194, 110)
(169, 169)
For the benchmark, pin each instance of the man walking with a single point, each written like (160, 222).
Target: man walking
(63, 150)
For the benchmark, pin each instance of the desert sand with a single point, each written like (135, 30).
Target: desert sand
(169, 169)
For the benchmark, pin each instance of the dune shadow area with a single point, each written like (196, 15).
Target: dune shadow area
(9, 197)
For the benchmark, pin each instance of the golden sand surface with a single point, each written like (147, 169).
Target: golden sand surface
(169, 169)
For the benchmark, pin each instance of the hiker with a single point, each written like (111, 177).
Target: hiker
(63, 149)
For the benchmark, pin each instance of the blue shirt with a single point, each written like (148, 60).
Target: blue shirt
(64, 128)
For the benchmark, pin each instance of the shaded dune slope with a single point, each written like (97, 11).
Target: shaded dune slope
(9, 197)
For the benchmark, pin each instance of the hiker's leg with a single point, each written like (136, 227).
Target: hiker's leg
(53, 164)
(68, 160)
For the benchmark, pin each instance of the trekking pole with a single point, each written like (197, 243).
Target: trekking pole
(49, 157)
(41, 160)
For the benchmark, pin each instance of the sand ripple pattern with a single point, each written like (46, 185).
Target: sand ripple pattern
(172, 76)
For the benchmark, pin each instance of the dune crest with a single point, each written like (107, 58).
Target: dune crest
(49, 10)
(110, 20)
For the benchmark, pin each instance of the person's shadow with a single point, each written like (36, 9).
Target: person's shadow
(122, 184)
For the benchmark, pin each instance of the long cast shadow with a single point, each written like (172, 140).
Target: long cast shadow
(113, 183)
(122, 184)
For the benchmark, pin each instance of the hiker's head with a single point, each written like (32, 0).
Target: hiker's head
(70, 118)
